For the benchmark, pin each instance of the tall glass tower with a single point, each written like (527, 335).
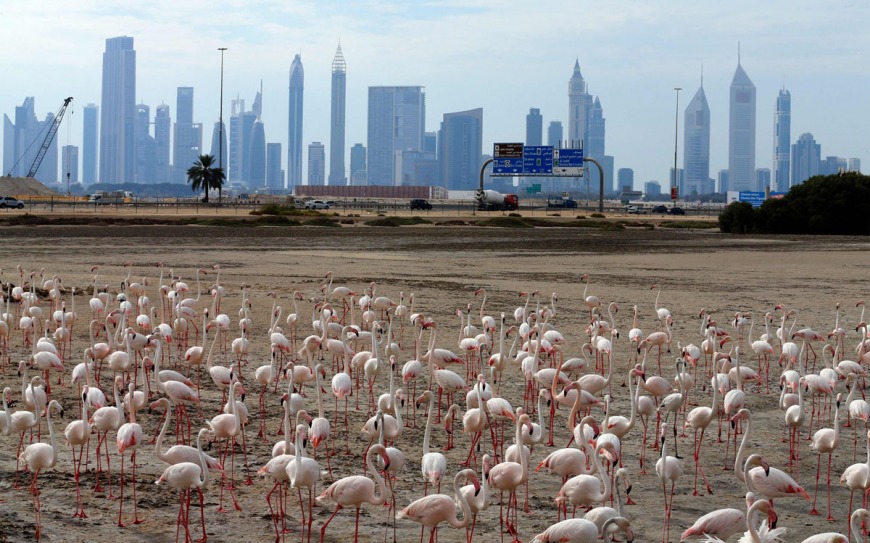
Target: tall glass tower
(781, 141)
(118, 111)
(336, 120)
(90, 141)
(460, 149)
(294, 137)
(741, 132)
(534, 127)
(396, 122)
(696, 144)
(578, 103)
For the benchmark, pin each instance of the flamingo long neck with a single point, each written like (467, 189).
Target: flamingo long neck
(715, 406)
(518, 441)
(346, 350)
(232, 406)
(751, 326)
(501, 354)
(600, 470)
(836, 426)
(319, 394)
(586, 287)
(659, 293)
(752, 519)
(208, 360)
(482, 303)
(463, 504)
(431, 355)
(855, 524)
(381, 496)
(158, 445)
(737, 362)
(51, 437)
(156, 373)
(740, 470)
(287, 426)
(612, 318)
(119, 405)
(8, 418)
(633, 396)
(203, 480)
(428, 425)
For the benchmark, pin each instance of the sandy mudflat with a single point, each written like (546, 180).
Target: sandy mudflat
(442, 266)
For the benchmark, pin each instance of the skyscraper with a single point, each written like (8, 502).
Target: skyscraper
(460, 149)
(358, 164)
(396, 122)
(294, 137)
(316, 163)
(624, 178)
(162, 146)
(188, 135)
(18, 136)
(216, 142)
(145, 148)
(696, 143)
(741, 132)
(274, 173)
(118, 111)
(534, 127)
(806, 156)
(594, 146)
(257, 155)
(336, 120)
(762, 179)
(69, 164)
(781, 141)
(90, 143)
(579, 102)
(554, 133)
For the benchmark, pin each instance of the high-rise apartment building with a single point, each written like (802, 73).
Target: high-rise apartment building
(534, 127)
(854, 164)
(219, 145)
(625, 178)
(741, 132)
(162, 145)
(241, 131)
(781, 141)
(806, 156)
(69, 159)
(554, 134)
(594, 144)
(188, 135)
(652, 188)
(145, 147)
(118, 111)
(460, 148)
(396, 122)
(336, 120)
(256, 158)
(696, 144)
(316, 163)
(723, 181)
(358, 164)
(274, 173)
(22, 141)
(762, 180)
(294, 137)
(90, 143)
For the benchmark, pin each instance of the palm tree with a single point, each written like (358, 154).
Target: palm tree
(202, 175)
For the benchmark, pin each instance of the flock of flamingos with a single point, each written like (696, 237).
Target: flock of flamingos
(158, 348)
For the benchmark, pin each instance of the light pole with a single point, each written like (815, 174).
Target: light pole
(221, 119)
(676, 131)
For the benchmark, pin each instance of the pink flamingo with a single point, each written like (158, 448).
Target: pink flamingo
(658, 339)
(228, 426)
(721, 523)
(355, 490)
(78, 434)
(668, 468)
(700, 418)
(432, 510)
(857, 477)
(39, 456)
(183, 476)
(508, 476)
(825, 441)
(129, 437)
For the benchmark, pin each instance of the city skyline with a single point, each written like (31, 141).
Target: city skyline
(622, 58)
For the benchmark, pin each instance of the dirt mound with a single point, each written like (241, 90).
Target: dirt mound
(23, 186)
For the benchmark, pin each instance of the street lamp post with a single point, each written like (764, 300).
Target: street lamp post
(676, 132)
(221, 117)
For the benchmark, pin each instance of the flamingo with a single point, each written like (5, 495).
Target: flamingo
(356, 490)
(182, 476)
(825, 441)
(794, 419)
(668, 468)
(477, 496)
(106, 419)
(721, 523)
(857, 477)
(303, 472)
(228, 426)
(77, 434)
(658, 339)
(433, 464)
(859, 517)
(320, 425)
(40, 456)
(128, 438)
(432, 510)
(700, 418)
(573, 530)
(507, 476)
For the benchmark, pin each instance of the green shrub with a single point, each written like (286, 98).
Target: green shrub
(397, 221)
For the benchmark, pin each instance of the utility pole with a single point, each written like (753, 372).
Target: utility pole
(221, 117)
(674, 192)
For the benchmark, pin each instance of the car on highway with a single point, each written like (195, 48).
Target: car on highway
(316, 204)
(659, 209)
(420, 203)
(9, 201)
(676, 211)
(635, 210)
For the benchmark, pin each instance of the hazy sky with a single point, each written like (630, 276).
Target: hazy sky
(502, 55)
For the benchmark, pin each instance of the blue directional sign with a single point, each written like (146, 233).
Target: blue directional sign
(538, 160)
(568, 162)
(756, 198)
(507, 159)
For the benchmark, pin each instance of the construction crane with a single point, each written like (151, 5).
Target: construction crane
(46, 143)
